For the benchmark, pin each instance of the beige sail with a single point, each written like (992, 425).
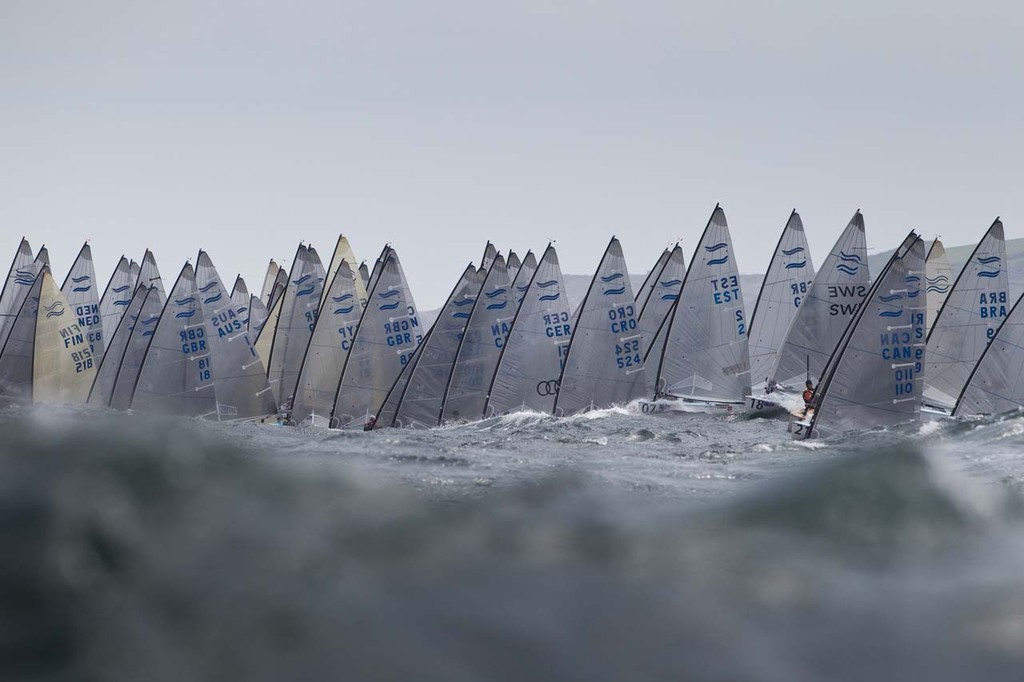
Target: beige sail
(343, 252)
(63, 365)
(265, 341)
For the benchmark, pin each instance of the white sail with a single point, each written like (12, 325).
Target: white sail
(20, 279)
(240, 297)
(939, 280)
(973, 310)
(835, 294)
(328, 348)
(490, 253)
(343, 253)
(269, 279)
(135, 353)
(531, 360)
(106, 375)
(134, 269)
(364, 274)
(295, 324)
(875, 377)
(257, 313)
(512, 265)
(116, 298)
(81, 292)
(604, 364)
(43, 257)
(176, 377)
(645, 290)
(149, 276)
(789, 277)
(523, 277)
(997, 382)
(18, 348)
(664, 292)
(489, 323)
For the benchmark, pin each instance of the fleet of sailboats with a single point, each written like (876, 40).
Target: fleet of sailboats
(832, 350)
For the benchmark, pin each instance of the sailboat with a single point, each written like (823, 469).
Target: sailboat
(116, 298)
(938, 280)
(106, 375)
(135, 352)
(149, 276)
(645, 290)
(79, 289)
(787, 281)
(704, 364)
(657, 309)
(874, 377)
(967, 321)
(604, 363)
(20, 279)
(269, 280)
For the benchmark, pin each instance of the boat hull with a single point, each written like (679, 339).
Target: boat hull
(688, 406)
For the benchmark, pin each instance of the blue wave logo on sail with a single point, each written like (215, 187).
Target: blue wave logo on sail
(118, 290)
(148, 332)
(670, 297)
(989, 260)
(79, 280)
(81, 289)
(913, 294)
(302, 280)
(213, 299)
(124, 302)
(549, 283)
(24, 277)
(911, 278)
(389, 306)
(550, 297)
(793, 251)
(615, 292)
(795, 265)
(989, 273)
(151, 319)
(890, 313)
(612, 278)
(186, 313)
(390, 294)
(890, 298)
(55, 309)
(496, 292)
(339, 299)
(206, 288)
(850, 257)
(184, 301)
(719, 261)
(306, 291)
(524, 288)
(344, 311)
(497, 306)
(937, 289)
(460, 314)
(717, 247)
(671, 283)
(465, 301)
(242, 310)
(848, 269)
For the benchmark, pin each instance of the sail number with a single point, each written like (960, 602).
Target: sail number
(726, 289)
(627, 354)
(623, 319)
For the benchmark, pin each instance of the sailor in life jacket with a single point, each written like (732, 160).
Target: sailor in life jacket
(809, 394)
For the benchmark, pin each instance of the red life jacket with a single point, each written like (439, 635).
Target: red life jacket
(808, 394)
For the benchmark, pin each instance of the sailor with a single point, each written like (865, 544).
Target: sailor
(808, 397)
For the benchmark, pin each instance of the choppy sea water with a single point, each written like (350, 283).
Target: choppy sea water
(611, 546)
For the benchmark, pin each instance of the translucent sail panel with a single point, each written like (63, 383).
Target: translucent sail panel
(421, 401)
(149, 276)
(939, 280)
(269, 280)
(512, 265)
(176, 377)
(294, 324)
(705, 354)
(665, 288)
(490, 253)
(645, 290)
(135, 352)
(974, 309)
(789, 277)
(240, 293)
(265, 331)
(16, 353)
(375, 273)
(531, 361)
(106, 376)
(329, 346)
(997, 382)
(20, 279)
(116, 298)
(877, 376)
(82, 294)
(364, 274)
(523, 277)
(489, 323)
(604, 364)
(836, 292)
(257, 313)
(135, 270)
(63, 364)
(388, 333)
(43, 257)
(417, 397)
(343, 254)
(280, 287)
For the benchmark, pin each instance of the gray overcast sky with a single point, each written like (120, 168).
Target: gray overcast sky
(243, 127)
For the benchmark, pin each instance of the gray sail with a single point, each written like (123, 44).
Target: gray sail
(116, 298)
(705, 354)
(490, 253)
(106, 374)
(240, 382)
(43, 257)
(664, 288)
(328, 348)
(789, 277)
(82, 294)
(489, 323)
(295, 324)
(645, 290)
(512, 265)
(377, 264)
(531, 361)
(279, 288)
(939, 280)
(604, 364)
(364, 273)
(997, 383)
(269, 279)
(134, 269)
(240, 297)
(257, 316)
(149, 276)
(422, 398)
(875, 379)
(135, 352)
(835, 294)
(523, 277)
(20, 279)
(388, 333)
(176, 377)
(17, 350)
(972, 312)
